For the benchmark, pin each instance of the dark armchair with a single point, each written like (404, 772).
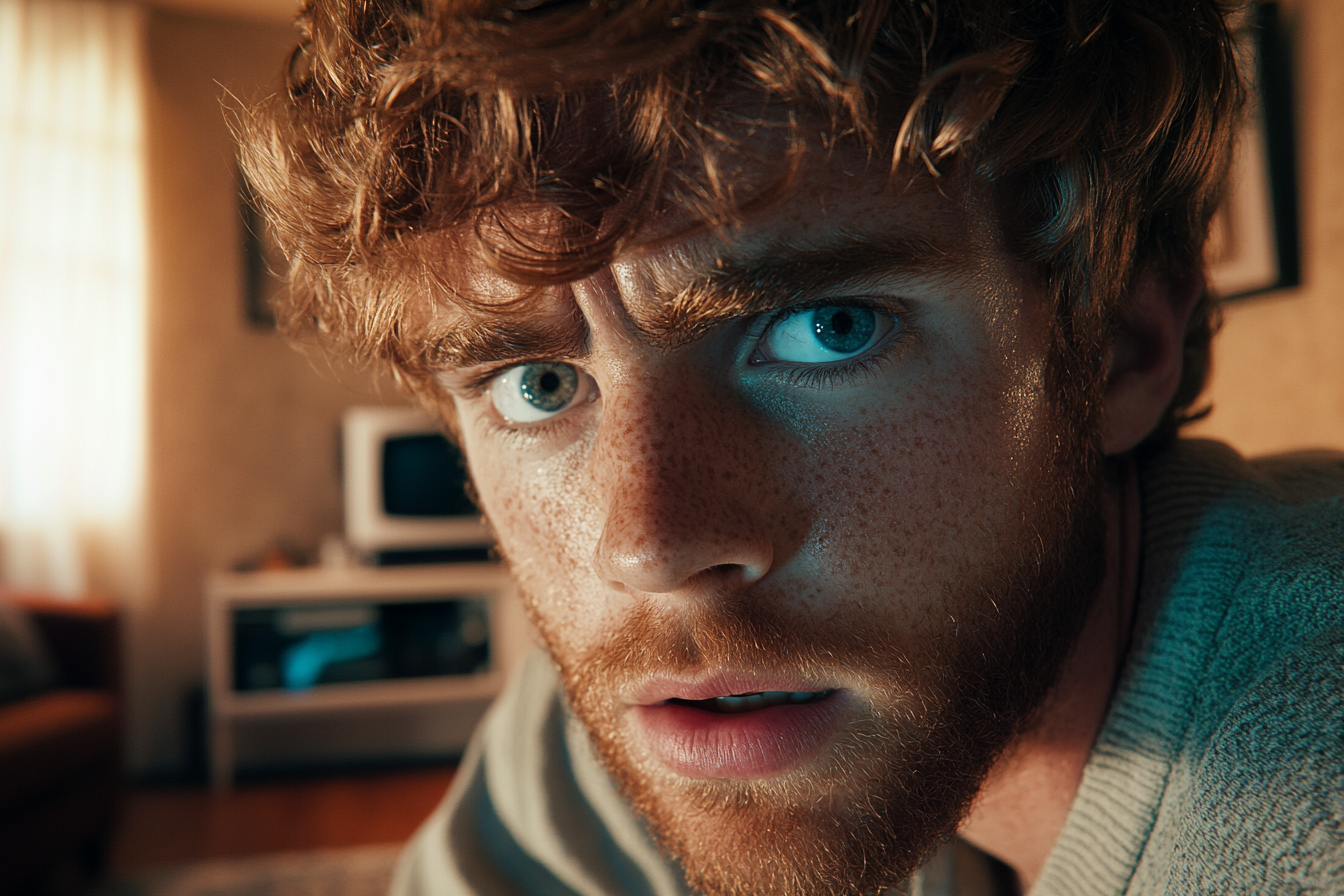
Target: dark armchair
(60, 750)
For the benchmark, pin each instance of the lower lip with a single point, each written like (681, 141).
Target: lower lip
(756, 744)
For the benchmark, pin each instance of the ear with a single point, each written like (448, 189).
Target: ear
(1146, 355)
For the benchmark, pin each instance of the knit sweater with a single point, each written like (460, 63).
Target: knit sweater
(1219, 767)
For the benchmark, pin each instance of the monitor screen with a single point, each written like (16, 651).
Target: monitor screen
(424, 476)
(406, 490)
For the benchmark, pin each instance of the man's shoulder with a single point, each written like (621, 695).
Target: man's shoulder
(1249, 622)
(1263, 537)
(1263, 804)
(1202, 476)
(1253, 568)
(1259, 788)
(1229, 707)
(531, 811)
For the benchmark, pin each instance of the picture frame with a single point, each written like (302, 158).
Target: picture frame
(264, 264)
(1253, 241)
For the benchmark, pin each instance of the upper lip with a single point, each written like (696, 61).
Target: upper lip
(718, 684)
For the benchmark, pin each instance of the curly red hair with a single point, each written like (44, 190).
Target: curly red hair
(1109, 123)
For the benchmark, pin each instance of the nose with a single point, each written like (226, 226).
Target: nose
(681, 474)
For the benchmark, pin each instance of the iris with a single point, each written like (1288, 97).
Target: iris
(548, 387)
(843, 330)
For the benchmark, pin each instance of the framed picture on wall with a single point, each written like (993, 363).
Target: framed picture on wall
(1252, 246)
(264, 264)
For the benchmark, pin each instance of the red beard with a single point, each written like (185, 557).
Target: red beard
(931, 718)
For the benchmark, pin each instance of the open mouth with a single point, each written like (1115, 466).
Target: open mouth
(754, 701)
(748, 734)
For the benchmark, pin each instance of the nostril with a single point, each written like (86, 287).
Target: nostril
(644, 562)
(749, 573)
(753, 573)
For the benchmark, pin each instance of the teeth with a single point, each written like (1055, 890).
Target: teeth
(758, 700)
(761, 700)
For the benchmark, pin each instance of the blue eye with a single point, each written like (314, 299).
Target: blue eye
(531, 392)
(818, 335)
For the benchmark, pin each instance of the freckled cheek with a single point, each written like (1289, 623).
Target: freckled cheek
(548, 527)
(919, 502)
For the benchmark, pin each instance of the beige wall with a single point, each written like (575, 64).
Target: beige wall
(1278, 380)
(242, 429)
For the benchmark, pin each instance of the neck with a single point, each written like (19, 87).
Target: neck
(1020, 810)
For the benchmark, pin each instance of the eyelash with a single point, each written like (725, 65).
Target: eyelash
(840, 373)
(540, 431)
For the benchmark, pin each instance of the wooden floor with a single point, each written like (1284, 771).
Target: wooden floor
(173, 825)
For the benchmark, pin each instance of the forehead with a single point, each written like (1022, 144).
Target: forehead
(842, 222)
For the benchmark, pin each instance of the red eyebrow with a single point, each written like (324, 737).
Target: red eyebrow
(735, 287)
(484, 339)
(786, 276)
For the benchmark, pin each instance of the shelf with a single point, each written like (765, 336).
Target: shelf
(357, 695)
(354, 583)
(229, 592)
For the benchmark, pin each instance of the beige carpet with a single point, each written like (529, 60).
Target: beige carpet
(365, 871)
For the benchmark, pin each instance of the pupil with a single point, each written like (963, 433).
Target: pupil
(548, 387)
(843, 330)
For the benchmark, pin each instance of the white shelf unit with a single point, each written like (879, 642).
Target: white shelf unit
(229, 592)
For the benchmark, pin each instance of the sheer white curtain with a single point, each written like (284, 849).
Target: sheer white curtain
(72, 294)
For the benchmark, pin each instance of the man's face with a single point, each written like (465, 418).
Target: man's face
(820, 461)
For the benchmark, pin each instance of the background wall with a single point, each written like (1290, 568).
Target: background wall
(242, 428)
(1278, 377)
